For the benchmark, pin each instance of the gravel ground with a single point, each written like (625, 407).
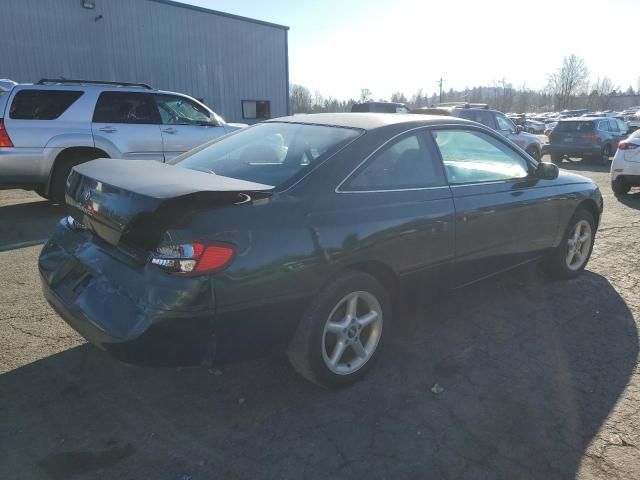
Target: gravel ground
(535, 379)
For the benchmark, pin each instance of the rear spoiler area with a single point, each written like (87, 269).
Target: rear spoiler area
(133, 201)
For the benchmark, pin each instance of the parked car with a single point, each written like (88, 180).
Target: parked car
(584, 137)
(380, 107)
(237, 246)
(533, 126)
(634, 123)
(493, 119)
(625, 167)
(50, 126)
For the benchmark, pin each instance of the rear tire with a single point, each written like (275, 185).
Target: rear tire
(570, 258)
(556, 157)
(341, 334)
(606, 153)
(64, 164)
(534, 153)
(620, 187)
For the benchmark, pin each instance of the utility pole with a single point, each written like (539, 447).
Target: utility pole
(440, 82)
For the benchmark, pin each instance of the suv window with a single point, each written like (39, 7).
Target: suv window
(603, 125)
(571, 126)
(613, 125)
(403, 164)
(176, 110)
(504, 124)
(473, 157)
(125, 107)
(42, 104)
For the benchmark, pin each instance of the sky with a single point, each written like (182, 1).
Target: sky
(341, 46)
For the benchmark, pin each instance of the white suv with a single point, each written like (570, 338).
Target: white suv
(625, 167)
(48, 127)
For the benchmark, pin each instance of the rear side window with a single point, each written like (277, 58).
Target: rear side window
(42, 104)
(126, 107)
(403, 164)
(574, 127)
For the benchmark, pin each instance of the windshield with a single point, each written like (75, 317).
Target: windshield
(269, 153)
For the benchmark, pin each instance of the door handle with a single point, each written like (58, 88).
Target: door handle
(170, 130)
(108, 129)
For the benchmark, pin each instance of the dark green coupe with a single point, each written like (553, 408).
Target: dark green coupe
(299, 233)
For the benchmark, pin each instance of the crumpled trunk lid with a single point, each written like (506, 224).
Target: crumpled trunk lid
(130, 201)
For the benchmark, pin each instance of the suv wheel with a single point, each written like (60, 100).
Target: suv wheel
(570, 257)
(619, 186)
(340, 335)
(606, 153)
(533, 152)
(64, 163)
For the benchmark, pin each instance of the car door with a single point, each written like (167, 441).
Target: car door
(504, 215)
(395, 206)
(127, 123)
(185, 124)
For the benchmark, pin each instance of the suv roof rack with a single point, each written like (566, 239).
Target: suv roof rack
(43, 81)
(463, 105)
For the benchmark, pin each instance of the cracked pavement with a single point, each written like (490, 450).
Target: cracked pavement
(540, 380)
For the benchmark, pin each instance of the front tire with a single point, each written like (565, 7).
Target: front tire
(340, 335)
(570, 258)
(620, 187)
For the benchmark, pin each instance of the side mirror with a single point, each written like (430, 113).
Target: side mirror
(519, 128)
(547, 171)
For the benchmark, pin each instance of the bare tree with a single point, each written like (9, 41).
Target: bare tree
(365, 94)
(398, 97)
(600, 95)
(300, 98)
(568, 80)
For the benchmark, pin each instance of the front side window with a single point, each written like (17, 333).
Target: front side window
(485, 118)
(256, 109)
(176, 110)
(473, 157)
(504, 124)
(125, 107)
(42, 104)
(613, 126)
(271, 153)
(403, 164)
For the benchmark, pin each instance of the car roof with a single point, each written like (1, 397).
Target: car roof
(367, 120)
(89, 87)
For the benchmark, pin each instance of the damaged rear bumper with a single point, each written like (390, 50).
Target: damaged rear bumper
(135, 311)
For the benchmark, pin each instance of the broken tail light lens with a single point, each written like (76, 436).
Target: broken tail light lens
(193, 258)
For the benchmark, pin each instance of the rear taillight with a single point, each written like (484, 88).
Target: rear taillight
(627, 145)
(193, 258)
(5, 141)
(590, 137)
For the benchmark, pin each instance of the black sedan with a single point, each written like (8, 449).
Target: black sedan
(299, 233)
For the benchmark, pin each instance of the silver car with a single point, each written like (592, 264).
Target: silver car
(48, 127)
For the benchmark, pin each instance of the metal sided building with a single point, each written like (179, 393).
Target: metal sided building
(236, 65)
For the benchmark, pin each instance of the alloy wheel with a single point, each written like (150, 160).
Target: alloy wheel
(352, 333)
(579, 244)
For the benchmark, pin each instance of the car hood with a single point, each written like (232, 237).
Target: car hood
(569, 177)
(529, 137)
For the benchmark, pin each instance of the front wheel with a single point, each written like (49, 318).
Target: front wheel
(570, 258)
(340, 336)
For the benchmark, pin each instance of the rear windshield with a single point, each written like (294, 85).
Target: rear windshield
(42, 104)
(269, 153)
(574, 127)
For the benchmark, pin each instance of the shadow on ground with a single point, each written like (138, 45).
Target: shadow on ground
(26, 224)
(529, 370)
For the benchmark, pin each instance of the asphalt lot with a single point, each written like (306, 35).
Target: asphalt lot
(539, 380)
